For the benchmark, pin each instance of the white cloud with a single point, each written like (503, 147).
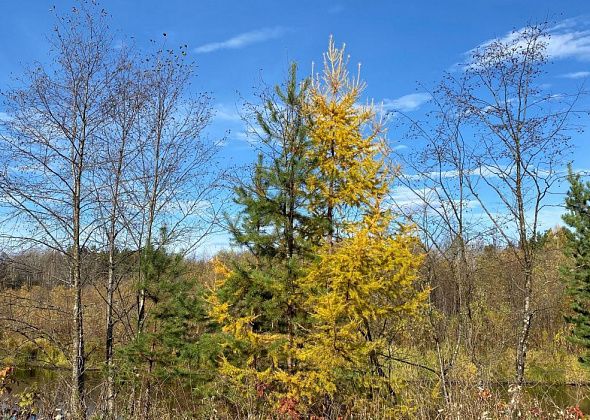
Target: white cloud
(434, 175)
(242, 136)
(119, 44)
(248, 136)
(425, 198)
(242, 40)
(550, 217)
(480, 171)
(576, 75)
(405, 198)
(406, 103)
(226, 113)
(569, 38)
(575, 44)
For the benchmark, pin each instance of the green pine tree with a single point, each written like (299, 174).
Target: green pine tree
(577, 274)
(257, 301)
(177, 342)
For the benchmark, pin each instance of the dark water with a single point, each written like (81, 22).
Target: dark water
(47, 390)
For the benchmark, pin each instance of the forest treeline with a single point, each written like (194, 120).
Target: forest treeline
(364, 281)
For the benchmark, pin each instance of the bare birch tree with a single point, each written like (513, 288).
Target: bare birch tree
(505, 157)
(521, 138)
(118, 144)
(48, 142)
(438, 202)
(175, 175)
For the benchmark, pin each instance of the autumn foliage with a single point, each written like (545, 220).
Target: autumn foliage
(351, 282)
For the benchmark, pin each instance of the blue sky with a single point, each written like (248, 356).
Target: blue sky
(237, 43)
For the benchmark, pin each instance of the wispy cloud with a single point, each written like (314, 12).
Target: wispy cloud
(433, 175)
(403, 197)
(242, 40)
(406, 103)
(119, 44)
(576, 75)
(428, 198)
(550, 217)
(244, 137)
(227, 114)
(479, 171)
(569, 38)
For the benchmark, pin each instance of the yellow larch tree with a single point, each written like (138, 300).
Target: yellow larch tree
(360, 292)
(345, 144)
(352, 277)
(361, 287)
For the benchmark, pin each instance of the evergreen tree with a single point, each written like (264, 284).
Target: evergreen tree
(360, 288)
(360, 292)
(577, 274)
(257, 301)
(312, 308)
(345, 144)
(175, 345)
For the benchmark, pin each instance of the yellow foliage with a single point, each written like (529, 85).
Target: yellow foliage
(364, 279)
(345, 139)
(361, 286)
(220, 270)
(367, 278)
